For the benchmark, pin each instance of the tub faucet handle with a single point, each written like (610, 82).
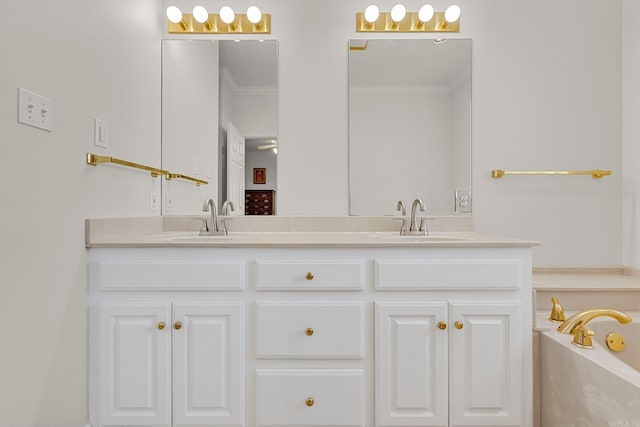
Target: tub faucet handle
(557, 313)
(583, 337)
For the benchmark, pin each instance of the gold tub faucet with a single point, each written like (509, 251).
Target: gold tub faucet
(557, 313)
(580, 320)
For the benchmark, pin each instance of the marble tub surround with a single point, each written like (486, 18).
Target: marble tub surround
(288, 231)
(585, 388)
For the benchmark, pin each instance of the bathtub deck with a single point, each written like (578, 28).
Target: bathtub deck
(586, 290)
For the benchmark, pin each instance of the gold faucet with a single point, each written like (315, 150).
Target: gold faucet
(557, 313)
(580, 320)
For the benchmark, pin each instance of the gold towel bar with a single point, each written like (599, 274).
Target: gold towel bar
(95, 159)
(595, 173)
(188, 178)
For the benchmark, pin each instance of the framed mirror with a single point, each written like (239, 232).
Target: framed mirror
(219, 122)
(409, 125)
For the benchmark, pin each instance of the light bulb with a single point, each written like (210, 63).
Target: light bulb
(200, 14)
(398, 12)
(452, 13)
(253, 14)
(227, 15)
(371, 13)
(174, 14)
(425, 13)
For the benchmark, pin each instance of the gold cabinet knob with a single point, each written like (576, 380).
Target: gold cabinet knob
(161, 325)
(309, 332)
(309, 402)
(177, 325)
(309, 276)
(442, 326)
(459, 325)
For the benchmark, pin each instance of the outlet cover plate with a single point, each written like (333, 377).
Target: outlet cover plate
(463, 201)
(100, 133)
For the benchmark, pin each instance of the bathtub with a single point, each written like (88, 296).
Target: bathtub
(590, 388)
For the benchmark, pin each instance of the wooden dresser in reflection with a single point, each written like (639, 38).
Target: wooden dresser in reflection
(259, 202)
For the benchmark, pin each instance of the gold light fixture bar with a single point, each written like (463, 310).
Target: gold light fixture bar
(595, 173)
(95, 160)
(410, 24)
(215, 25)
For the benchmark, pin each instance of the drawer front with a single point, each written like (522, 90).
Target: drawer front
(312, 397)
(169, 274)
(304, 330)
(447, 274)
(310, 275)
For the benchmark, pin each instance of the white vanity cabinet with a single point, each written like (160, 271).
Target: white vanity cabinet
(294, 336)
(171, 364)
(448, 364)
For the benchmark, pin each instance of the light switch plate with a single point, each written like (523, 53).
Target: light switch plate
(35, 110)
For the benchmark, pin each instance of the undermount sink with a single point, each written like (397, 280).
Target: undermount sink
(198, 238)
(417, 237)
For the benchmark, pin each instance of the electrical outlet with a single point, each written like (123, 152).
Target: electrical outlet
(463, 201)
(35, 110)
(196, 166)
(169, 202)
(153, 200)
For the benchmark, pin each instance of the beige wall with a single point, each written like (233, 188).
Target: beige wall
(631, 134)
(93, 59)
(547, 94)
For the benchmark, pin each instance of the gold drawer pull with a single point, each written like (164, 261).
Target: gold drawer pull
(442, 326)
(309, 276)
(161, 325)
(459, 325)
(310, 401)
(309, 332)
(177, 325)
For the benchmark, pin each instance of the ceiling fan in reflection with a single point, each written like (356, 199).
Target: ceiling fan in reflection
(271, 143)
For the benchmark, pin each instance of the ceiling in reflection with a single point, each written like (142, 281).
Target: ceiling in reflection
(251, 62)
(404, 63)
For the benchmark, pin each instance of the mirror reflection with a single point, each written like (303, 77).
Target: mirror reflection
(409, 125)
(219, 123)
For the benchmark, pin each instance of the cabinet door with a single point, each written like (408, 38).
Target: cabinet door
(208, 364)
(134, 380)
(411, 364)
(486, 364)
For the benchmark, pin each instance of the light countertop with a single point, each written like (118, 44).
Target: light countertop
(287, 232)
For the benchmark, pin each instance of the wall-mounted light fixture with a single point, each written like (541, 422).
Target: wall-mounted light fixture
(425, 20)
(200, 21)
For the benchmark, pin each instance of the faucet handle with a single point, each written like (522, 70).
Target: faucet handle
(204, 226)
(404, 228)
(583, 337)
(557, 313)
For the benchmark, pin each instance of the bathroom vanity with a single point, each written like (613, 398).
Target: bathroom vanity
(310, 329)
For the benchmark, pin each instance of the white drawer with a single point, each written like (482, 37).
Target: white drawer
(311, 397)
(169, 274)
(310, 275)
(446, 274)
(310, 330)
